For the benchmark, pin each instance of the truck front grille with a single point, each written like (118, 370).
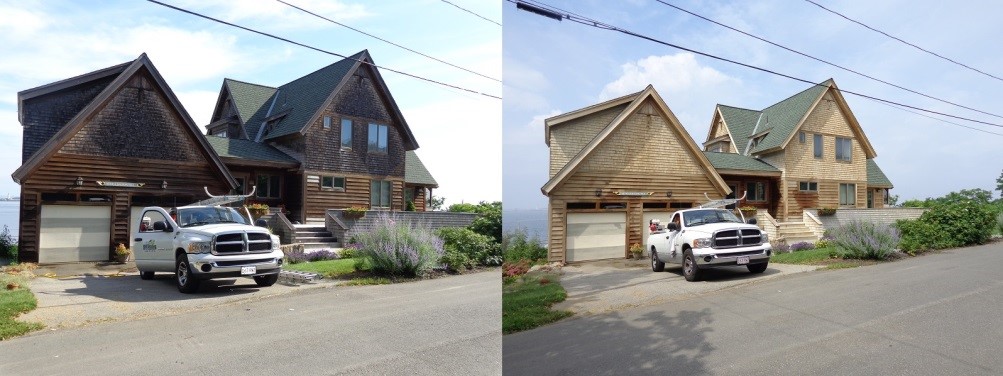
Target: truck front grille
(242, 242)
(736, 238)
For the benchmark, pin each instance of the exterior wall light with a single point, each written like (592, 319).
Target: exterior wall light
(668, 194)
(79, 182)
(163, 184)
(598, 192)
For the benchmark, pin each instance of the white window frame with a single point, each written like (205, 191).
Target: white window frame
(327, 122)
(381, 194)
(808, 186)
(818, 146)
(333, 184)
(381, 145)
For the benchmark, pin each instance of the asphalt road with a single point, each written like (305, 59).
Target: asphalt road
(443, 326)
(940, 314)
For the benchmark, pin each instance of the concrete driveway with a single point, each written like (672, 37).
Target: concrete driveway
(74, 295)
(612, 285)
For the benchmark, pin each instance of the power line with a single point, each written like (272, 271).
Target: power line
(471, 12)
(601, 25)
(384, 40)
(900, 40)
(321, 50)
(824, 61)
(939, 119)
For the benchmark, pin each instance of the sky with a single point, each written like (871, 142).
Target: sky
(553, 67)
(46, 41)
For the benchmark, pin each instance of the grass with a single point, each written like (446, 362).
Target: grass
(526, 301)
(14, 302)
(826, 257)
(329, 268)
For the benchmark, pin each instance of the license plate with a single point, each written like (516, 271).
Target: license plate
(245, 270)
(742, 260)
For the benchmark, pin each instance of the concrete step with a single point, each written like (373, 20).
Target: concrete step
(332, 246)
(316, 239)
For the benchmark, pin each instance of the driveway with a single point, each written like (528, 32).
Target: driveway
(74, 295)
(612, 285)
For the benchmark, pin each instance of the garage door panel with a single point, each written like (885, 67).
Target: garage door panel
(74, 233)
(594, 236)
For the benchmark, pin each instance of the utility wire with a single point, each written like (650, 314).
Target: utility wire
(321, 50)
(824, 61)
(938, 119)
(471, 12)
(601, 25)
(384, 40)
(900, 40)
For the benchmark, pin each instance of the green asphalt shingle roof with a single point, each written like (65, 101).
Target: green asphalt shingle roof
(783, 117)
(247, 97)
(875, 177)
(415, 171)
(740, 122)
(732, 161)
(247, 149)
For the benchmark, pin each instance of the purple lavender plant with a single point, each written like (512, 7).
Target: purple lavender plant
(865, 240)
(801, 246)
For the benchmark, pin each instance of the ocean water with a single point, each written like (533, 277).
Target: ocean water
(533, 221)
(9, 216)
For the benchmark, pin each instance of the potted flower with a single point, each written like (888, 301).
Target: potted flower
(635, 251)
(354, 212)
(748, 211)
(122, 253)
(826, 211)
(257, 210)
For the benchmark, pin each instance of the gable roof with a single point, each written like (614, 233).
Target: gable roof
(635, 103)
(558, 119)
(736, 163)
(250, 151)
(65, 84)
(740, 123)
(128, 70)
(247, 97)
(782, 118)
(415, 171)
(875, 177)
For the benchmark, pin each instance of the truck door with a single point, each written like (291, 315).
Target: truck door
(153, 242)
(676, 254)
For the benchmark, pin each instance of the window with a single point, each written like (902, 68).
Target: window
(377, 138)
(267, 186)
(379, 194)
(327, 122)
(346, 133)
(848, 194)
(221, 134)
(332, 182)
(801, 137)
(240, 186)
(817, 141)
(808, 186)
(755, 191)
(842, 149)
(148, 219)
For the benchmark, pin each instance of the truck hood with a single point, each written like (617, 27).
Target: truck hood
(710, 228)
(220, 228)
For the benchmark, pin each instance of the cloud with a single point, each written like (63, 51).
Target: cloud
(524, 87)
(673, 73)
(278, 15)
(529, 134)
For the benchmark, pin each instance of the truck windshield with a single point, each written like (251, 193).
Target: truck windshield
(189, 217)
(701, 217)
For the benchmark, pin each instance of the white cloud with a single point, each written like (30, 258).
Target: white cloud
(278, 15)
(531, 133)
(673, 73)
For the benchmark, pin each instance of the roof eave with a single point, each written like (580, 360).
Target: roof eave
(729, 171)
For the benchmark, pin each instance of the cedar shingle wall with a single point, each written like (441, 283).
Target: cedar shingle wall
(569, 138)
(42, 117)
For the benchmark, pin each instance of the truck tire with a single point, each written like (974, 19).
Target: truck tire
(690, 270)
(146, 276)
(656, 265)
(183, 275)
(757, 268)
(266, 280)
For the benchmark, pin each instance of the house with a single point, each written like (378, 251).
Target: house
(616, 165)
(331, 139)
(99, 147)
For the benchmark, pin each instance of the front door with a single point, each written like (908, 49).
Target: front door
(870, 198)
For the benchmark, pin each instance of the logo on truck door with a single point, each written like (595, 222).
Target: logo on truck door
(150, 246)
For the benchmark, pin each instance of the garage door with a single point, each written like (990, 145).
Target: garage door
(596, 236)
(648, 216)
(74, 233)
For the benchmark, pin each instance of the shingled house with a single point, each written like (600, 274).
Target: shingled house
(99, 147)
(331, 139)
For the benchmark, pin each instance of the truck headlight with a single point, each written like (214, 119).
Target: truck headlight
(701, 243)
(765, 237)
(199, 247)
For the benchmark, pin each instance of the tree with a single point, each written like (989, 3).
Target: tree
(999, 184)
(489, 222)
(893, 199)
(435, 203)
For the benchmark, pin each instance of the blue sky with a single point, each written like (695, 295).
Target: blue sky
(552, 67)
(43, 42)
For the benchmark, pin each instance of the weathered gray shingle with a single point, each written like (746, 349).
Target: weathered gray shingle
(415, 171)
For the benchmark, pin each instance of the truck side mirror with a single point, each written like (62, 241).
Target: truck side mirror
(161, 226)
(261, 223)
(672, 226)
(752, 221)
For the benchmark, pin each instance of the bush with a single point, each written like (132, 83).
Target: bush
(478, 249)
(515, 269)
(8, 247)
(823, 243)
(826, 211)
(489, 220)
(516, 245)
(297, 255)
(395, 247)
(955, 220)
(999, 222)
(801, 246)
(780, 246)
(350, 251)
(865, 240)
(457, 261)
(919, 236)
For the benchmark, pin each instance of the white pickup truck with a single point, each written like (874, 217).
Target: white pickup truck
(704, 238)
(201, 242)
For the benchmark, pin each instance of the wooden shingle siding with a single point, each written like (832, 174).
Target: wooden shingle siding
(61, 171)
(558, 230)
(356, 193)
(43, 116)
(569, 138)
(29, 226)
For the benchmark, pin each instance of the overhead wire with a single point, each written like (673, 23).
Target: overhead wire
(472, 12)
(902, 41)
(605, 26)
(322, 50)
(938, 119)
(384, 40)
(824, 61)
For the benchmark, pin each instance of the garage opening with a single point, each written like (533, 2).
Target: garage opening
(71, 233)
(596, 236)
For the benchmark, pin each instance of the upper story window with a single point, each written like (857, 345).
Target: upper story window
(843, 149)
(332, 182)
(377, 138)
(221, 134)
(817, 141)
(346, 133)
(801, 137)
(327, 122)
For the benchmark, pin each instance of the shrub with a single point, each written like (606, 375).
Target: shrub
(457, 261)
(919, 236)
(865, 240)
(826, 211)
(999, 222)
(395, 247)
(296, 255)
(350, 251)
(518, 268)
(8, 247)
(477, 248)
(955, 220)
(780, 246)
(801, 246)
(516, 245)
(410, 206)
(823, 243)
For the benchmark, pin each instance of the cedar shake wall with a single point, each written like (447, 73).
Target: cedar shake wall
(356, 193)
(569, 138)
(43, 116)
(721, 130)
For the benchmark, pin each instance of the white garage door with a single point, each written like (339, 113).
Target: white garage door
(663, 216)
(596, 236)
(74, 233)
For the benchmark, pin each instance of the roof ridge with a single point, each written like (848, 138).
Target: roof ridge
(798, 93)
(248, 83)
(600, 104)
(353, 58)
(738, 108)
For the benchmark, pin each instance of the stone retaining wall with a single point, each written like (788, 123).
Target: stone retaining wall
(345, 228)
(883, 216)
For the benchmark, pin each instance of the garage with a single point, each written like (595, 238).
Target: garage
(596, 236)
(73, 233)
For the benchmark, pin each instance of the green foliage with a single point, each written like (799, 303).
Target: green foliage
(826, 211)
(489, 222)
(958, 219)
(999, 223)
(526, 303)
(865, 240)
(477, 249)
(999, 184)
(920, 236)
(516, 245)
(328, 268)
(462, 208)
(395, 247)
(8, 247)
(435, 203)
(15, 299)
(457, 261)
(410, 206)
(348, 252)
(823, 243)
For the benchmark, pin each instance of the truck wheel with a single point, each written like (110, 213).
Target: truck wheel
(656, 266)
(266, 280)
(183, 275)
(757, 268)
(145, 275)
(690, 270)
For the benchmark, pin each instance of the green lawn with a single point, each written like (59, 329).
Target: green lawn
(12, 303)
(821, 256)
(526, 302)
(328, 268)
